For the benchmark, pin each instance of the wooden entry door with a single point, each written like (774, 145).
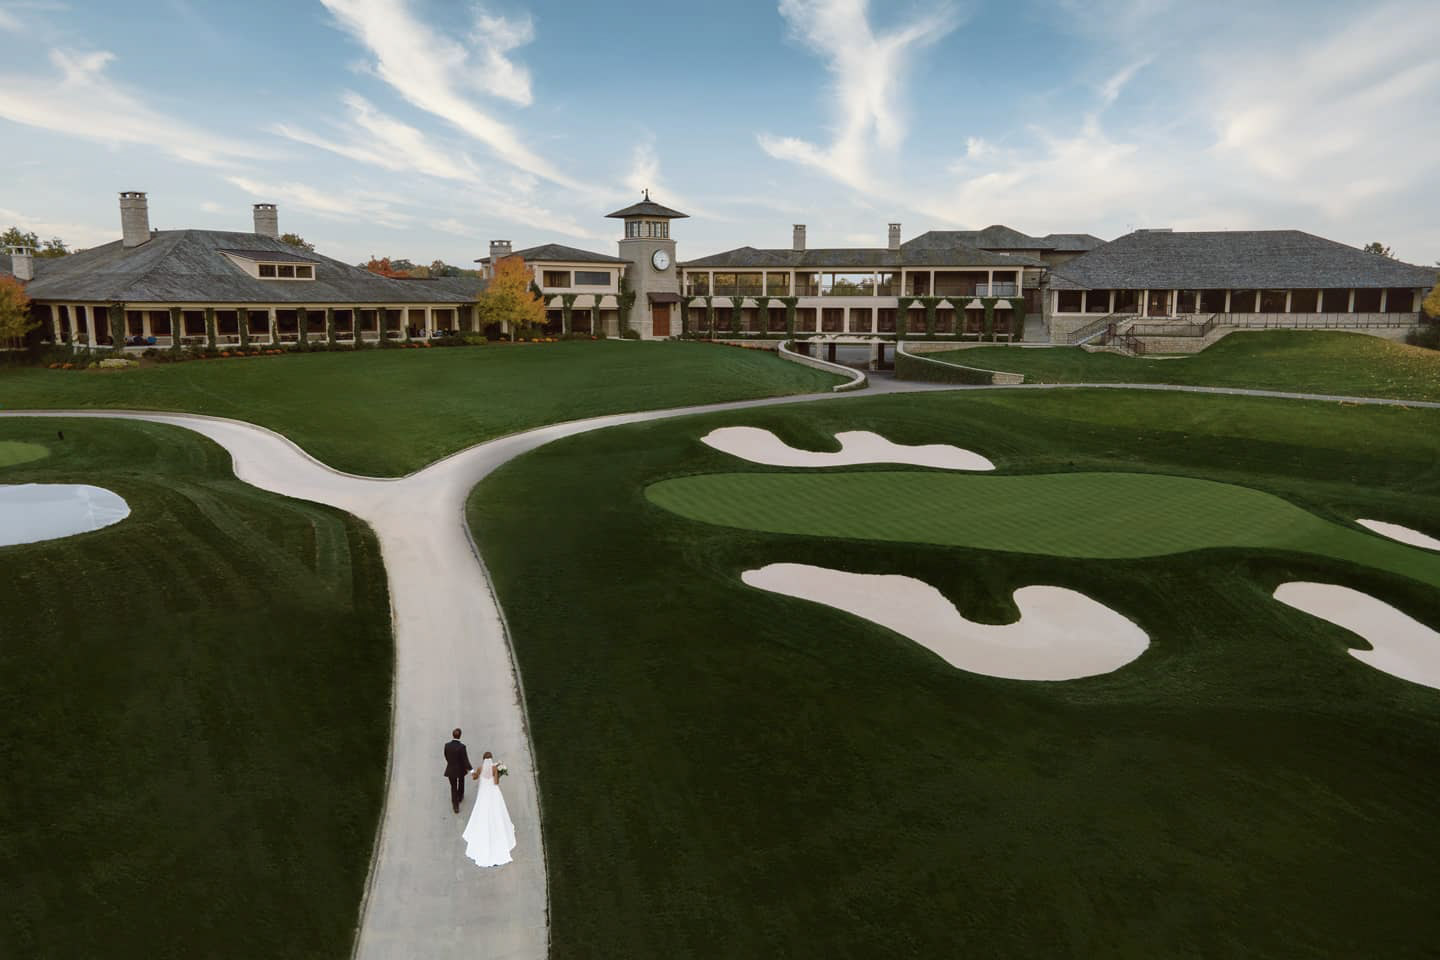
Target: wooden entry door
(660, 315)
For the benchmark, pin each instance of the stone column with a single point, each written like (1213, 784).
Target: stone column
(1288, 295)
(1416, 301)
(1111, 302)
(1227, 301)
(1384, 295)
(55, 330)
(92, 337)
(429, 322)
(1084, 301)
(1350, 308)
(990, 283)
(145, 323)
(274, 329)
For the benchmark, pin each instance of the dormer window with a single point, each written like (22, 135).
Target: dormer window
(286, 271)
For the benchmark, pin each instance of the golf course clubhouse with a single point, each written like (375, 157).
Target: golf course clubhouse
(153, 285)
(995, 284)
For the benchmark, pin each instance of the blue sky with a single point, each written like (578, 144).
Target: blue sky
(426, 128)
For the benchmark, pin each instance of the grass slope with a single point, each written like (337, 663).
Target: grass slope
(391, 412)
(194, 711)
(1326, 362)
(1101, 515)
(733, 773)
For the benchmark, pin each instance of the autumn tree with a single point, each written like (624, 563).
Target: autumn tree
(509, 301)
(295, 240)
(1380, 248)
(15, 319)
(385, 268)
(1431, 305)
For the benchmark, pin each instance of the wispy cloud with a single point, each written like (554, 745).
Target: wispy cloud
(867, 80)
(81, 100)
(347, 205)
(433, 73)
(77, 235)
(495, 37)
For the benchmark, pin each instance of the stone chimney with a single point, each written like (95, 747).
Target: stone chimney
(894, 236)
(22, 262)
(134, 218)
(798, 244)
(267, 220)
(499, 250)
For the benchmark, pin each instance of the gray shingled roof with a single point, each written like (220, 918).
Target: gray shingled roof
(1238, 259)
(187, 266)
(1000, 237)
(953, 255)
(559, 252)
(649, 208)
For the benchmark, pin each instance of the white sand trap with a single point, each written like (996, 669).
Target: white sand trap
(1061, 634)
(856, 447)
(1404, 647)
(31, 512)
(1404, 534)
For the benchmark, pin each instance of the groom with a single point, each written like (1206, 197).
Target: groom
(457, 765)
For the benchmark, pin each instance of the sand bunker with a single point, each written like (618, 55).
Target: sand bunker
(1403, 534)
(1404, 647)
(31, 512)
(1061, 634)
(856, 447)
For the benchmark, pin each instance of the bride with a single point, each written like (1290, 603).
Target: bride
(489, 836)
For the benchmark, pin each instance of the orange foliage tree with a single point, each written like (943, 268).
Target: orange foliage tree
(15, 319)
(383, 268)
(509, 301)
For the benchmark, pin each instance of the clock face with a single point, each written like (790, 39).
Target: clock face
(661, 259)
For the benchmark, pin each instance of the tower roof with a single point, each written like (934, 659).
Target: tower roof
(648, 208)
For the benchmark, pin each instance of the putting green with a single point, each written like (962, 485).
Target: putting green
(15, 451)
(1100, 515)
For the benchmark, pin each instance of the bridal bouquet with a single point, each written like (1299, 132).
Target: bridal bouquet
(501, 769)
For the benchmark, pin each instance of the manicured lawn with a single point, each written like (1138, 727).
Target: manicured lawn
(13, 451)
(391, 412)
(194, 711)
(1099, 515)
(1326, 362)
(731, 772)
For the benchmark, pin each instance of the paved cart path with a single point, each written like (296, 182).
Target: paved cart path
(453, 667)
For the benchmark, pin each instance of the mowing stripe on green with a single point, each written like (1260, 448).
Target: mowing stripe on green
(1100, 515)
(18, 451)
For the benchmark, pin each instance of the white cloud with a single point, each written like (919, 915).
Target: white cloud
(210, 206)
(497, 74)
(868, 71)
(429, 69)
(75, 235)
(350, 205)
(82, 101)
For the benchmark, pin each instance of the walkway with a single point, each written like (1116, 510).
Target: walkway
(453, 667)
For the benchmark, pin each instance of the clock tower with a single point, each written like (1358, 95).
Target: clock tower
(652, 273)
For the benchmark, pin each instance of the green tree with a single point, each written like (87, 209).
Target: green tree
(295, 240)
(1380, 248)
(15, 319)
(15, 237)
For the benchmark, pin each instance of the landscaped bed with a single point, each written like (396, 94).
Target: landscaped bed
(391, 412)
(1302, 361)
(194, 708)
(722, 761)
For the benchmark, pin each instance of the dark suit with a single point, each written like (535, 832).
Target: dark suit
(457, 766)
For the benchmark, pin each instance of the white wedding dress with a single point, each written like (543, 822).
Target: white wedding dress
(489, 836)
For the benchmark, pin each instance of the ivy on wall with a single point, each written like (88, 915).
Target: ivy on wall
(988, 330)
(330, 325)
(626, 301)
(762, 314)
(710, 316)
(685, 315)
(902, 316)
(567, 306)
(790, 303)
(175, 329)
(736, 321)
(211, 340)
(302, 320)
(1017, 318)
(929, 303)
(242, 323)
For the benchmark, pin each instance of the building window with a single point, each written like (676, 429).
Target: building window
(287, 271)
(747, 284)
(724, 284)
(555, 278)
(632, 229)
(1097, 301)
(267, 269)
(1069, 301)
(777, 284)
(304, 272)
(697, 284)
(592, 278)
(1242, 301)
(847, 284)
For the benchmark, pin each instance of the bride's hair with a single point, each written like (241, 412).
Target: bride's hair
(487, 755)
